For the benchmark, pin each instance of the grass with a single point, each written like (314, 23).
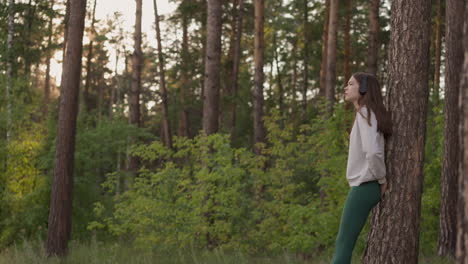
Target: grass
(101, 253)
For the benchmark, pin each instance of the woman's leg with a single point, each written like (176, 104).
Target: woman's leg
(361, 199)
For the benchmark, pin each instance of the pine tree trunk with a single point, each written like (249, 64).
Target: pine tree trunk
(331, 54)
(48, 59)
(183, 120)
(135, 88)
(166, 124)
(258, 100)
(347, 42)
(438, 49)
(212, 68)
(305, 80)
(86, 95)
(462, 206)
(323, 65)
(278, 74)
(9, 70)
(394, 233)
(60, 213)
(235, 66)
(374, 29)
(454, 64)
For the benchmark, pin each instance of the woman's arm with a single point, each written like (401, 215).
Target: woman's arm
(372, 145)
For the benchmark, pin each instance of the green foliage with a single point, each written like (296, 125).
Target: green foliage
(205, 193)
(430, 203)
(25, 189)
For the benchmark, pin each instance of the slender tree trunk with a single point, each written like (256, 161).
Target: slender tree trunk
(48, 58)
(115, 87)
(235, 66)
(86, 96)
(462, 205)
(60, 213)
(454, 64)
(258, 100)
(166, 124)
(438, 49)
(31, 11)
(394, 234)
(9, 66)
(331, 54)
(212, 68)
(374, 29)
(323, 65)
(183, 120)
(306, 59)
(65, 22)
(135, 88)
(294, 77)
(347, 41)
(278, 74)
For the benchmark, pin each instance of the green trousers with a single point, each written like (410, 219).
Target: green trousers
(361, 199)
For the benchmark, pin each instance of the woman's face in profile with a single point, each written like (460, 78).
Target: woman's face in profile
(352, 90)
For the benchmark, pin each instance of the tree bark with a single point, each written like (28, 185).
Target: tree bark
(454, 64)
(374, 29)
(347, 42)
(331, 54)
(323, 65)
(60, 213)
(305, 81)
(212, 68)
(48, 59)
(86, 96)
(258, 100)
(235, 66)
(462, 206)
(438, 49)
(166, 124)
(135, 88)
(9, 70)
(394, 234)
(184, 113)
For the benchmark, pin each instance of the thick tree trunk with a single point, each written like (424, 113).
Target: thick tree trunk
(258, 100)
(462, 206)
(137, 63)
(235, 66)
(347, 42)
(212, 68)
(454, 64)
(86, 96)
(394, 233)
(184, 112)
(166, 124)
(323, 65)
(438, 49)
(331, 54)
(60, 213)
(374, 29)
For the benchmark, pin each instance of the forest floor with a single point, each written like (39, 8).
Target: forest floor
(97, 253)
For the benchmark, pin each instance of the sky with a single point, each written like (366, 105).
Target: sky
(105, 8)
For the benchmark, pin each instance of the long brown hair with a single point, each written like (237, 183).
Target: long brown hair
(374, 101)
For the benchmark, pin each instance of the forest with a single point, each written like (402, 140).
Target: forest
(221, 135)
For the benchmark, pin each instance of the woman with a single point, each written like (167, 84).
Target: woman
(366, 169)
